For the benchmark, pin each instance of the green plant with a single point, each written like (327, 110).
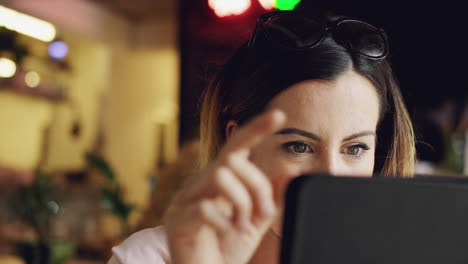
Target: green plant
(36, 205)
(454, 157)
(61, 251)
(112, 196)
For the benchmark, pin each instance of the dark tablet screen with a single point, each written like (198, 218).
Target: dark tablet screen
(337, 220)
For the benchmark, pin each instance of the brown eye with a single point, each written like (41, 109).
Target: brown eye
(300, 148)
(297, 147)
(353, 150)
(356, 151)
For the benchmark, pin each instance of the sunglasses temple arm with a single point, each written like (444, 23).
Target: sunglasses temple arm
(253, 37)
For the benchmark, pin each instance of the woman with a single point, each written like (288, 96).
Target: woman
(304, 94)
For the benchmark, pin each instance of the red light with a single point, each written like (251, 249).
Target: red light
(267, 4)
(224, 8)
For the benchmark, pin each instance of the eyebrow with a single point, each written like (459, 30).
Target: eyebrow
(303, 133)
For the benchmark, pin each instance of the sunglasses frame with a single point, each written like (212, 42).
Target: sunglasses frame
(327, 28)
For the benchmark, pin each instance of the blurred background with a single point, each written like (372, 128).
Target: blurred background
(99, 105)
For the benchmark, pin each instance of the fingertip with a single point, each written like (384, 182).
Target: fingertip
(261, 126)
(272, 120)
(278, 116)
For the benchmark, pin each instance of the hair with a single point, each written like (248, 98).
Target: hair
(252, 77)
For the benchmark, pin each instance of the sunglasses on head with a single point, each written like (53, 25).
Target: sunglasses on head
(292, 30)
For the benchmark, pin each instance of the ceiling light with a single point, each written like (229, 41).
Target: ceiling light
(224, 8)
(26, 24)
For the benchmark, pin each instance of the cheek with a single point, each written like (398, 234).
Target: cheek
(360, 168)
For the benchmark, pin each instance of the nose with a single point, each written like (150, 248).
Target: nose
(329, 163)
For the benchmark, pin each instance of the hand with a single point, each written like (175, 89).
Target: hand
(221, 214)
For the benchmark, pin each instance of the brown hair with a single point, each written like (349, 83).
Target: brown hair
(252, 77)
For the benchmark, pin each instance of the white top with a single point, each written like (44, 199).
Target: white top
(145, 246)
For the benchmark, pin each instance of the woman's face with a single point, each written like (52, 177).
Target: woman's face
(330, 127)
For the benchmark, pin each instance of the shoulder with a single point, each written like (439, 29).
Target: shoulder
(145, 246)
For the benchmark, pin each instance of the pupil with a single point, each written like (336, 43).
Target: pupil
(353, 150)
(299, 148)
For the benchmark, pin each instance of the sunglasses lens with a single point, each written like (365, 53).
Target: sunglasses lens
(294, 31)
(362, 38)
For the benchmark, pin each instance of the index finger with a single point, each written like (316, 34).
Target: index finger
(254, 131)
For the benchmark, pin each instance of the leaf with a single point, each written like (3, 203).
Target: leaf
(61, 251)
(109, 201)
(113, 201)
(102, 165)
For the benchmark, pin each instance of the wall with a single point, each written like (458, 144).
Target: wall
(142, 98)
(123, 85)
(88, 79)
(23, 121)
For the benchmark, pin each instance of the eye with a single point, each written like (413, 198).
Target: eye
(297, 147)
(353, 150)
(356, 150)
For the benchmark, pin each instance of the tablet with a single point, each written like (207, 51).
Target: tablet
(337, 220)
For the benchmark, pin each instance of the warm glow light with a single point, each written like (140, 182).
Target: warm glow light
(32, 79)
(26, 25)
(267, 4)
(7, 68)
(224, 8)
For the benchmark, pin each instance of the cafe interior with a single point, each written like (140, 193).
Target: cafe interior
(99, 103)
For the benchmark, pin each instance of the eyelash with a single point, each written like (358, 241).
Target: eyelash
(362, 149)
(289, 148)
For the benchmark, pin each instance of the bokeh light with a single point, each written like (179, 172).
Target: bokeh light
(32, 79)
(53, 207)
(286, 4)
(224, 8)
(267, 4)
(7, 68)
(58, 50)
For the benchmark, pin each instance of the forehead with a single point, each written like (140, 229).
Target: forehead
(345, 102)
